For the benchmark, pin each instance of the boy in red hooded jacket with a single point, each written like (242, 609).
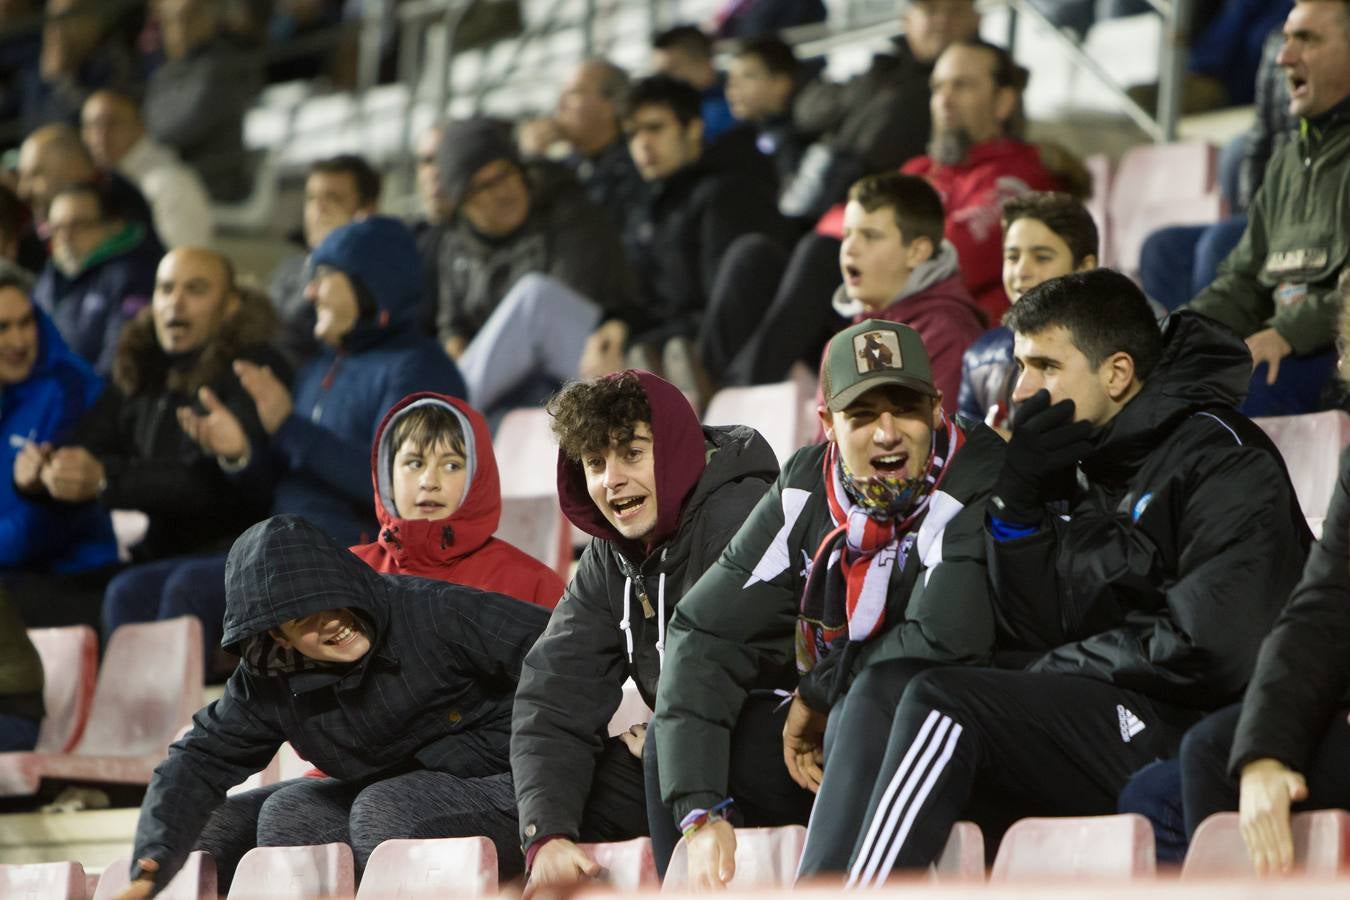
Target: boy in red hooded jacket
(439, 501)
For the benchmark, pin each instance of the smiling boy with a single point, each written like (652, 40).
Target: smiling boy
(866, 557)
(661, 496)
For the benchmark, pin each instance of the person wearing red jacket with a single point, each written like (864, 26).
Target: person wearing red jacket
(976, 160)
(438, 499)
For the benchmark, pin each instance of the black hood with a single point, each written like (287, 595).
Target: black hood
(1204, 365)
(284, 568)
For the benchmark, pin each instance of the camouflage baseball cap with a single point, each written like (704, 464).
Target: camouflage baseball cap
(871, 354)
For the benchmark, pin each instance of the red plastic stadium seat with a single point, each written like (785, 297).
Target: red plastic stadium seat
(459, 867)
(1321, 846)
(1311, 446)
(294, 873)
(137, 710)
(1158, 185)
(42, 881)
(195, 881)
(524, 446)
(776, 411)
(536, 526)
(962, 859)
(629, 866)
(1099, 167)
(765, 857)
(69, 672)
(1088, 847)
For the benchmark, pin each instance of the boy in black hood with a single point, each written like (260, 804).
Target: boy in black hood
(399, 688)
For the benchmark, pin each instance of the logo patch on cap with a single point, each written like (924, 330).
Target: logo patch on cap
(875, 351)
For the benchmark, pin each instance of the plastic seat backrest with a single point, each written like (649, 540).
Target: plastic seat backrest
(69, 672)
(138, 709)
(1311, 445)
(1321, 846)
(765, 857)
(536, 526)
(1157, 185)
(525, 447)
(42, 881)
(629, 866)
(962, 859)
(195, 881)
(1086, 847)
(294, 873)
(460, 867)
(774, 410)
(633, 710)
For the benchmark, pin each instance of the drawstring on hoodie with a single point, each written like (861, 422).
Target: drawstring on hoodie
(626, 623)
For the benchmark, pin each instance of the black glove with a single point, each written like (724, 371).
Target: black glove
(1046, 443)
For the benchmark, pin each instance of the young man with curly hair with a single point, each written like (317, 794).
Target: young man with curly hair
(661, 496)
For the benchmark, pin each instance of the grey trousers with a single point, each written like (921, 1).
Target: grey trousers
(538, 331)
(420, 804)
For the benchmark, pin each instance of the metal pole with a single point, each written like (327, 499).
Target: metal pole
(1172, 67)
(368, 52)
(588, 29)
(1011, 45)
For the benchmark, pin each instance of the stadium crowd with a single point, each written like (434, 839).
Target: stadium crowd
(1040, 561)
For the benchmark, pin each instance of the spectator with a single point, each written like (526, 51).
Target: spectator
(911, 488)
(81, 52)
(1045, 235)
(587, 119)
(686, 53)
(20, 55)
(1198, 249)
(978, 161)
(398, 688)
(655, 531)
(700, 203)
(1281, 749)
(128, 453)
(533, 284)
(112, 129)
(195, 101)
(53, 157)
(878, 120)
(101, 272)
(46, 550)
(760, 87)
(314, 444)
(1277, 288)
(21, 707)
(338, 190)
(14, 224)
(753, 19)
(439, 500)
(1136, 613)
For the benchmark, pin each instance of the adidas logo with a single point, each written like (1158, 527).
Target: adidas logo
(1130, 725)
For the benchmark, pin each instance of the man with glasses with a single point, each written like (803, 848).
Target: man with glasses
(100, 274)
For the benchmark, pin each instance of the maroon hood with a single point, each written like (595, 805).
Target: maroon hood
(679, 454)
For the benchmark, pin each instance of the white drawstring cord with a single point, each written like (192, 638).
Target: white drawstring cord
(626, 625)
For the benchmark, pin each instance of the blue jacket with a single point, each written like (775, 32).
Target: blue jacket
(91, 308)
(43, 536)
(988, 374)
(322, 450)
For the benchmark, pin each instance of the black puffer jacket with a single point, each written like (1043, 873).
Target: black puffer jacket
(1303, 673)
(1180, 548)
(572, 680)
(433, 692)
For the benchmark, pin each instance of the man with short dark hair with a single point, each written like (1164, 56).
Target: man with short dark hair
(686, 53)
(1142, 536)
(111, 125)
(101, 272)
(761, 82)
(661, 496)
(1277, 288)
(338, 190)
(866, 557)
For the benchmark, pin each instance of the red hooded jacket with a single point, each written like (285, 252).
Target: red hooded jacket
(973, 192)
(460, 547)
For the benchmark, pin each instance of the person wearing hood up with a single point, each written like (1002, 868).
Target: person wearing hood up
(399, 688)
(1142, 536)
(47, 550)
(316, 441)
(865, 560)
(661, 496)
(438, 498)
